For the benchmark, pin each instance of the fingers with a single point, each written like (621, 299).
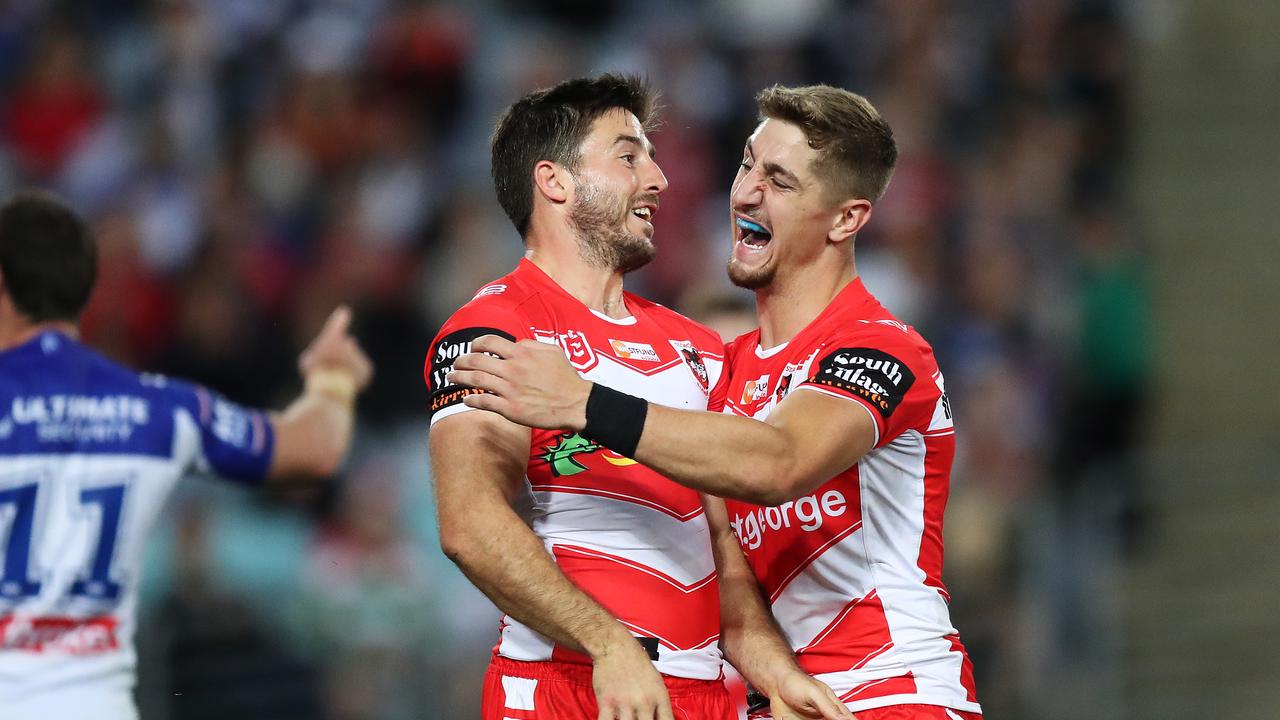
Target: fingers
(664, 711)
(815, 701)
(338, 322)
(481, 362)
(495, 344)
(333, 345)
(831, 707)
(480, 380)
(486, 401)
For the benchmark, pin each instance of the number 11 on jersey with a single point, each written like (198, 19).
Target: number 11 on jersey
(17, 530)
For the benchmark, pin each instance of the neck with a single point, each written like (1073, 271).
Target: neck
(16, 332)
(788, 305)
(598, 288)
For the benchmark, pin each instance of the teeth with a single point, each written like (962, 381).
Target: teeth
(642, 213)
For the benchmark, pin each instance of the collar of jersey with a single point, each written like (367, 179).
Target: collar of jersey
(542, 278)
(853, 295)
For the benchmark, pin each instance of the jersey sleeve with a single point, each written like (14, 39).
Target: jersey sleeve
(454, 339)
(233, 442)
(720, 388)
(883, 374)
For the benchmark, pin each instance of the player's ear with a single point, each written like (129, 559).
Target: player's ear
(848, 219)
(552, 181)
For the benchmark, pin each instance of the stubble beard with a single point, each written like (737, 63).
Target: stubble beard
(599, 220)
(751, 278)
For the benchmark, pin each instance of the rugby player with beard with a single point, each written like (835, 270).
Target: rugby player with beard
(606, 570)
(836, 444)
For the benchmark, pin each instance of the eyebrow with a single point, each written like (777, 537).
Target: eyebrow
(773, 168)
(653, 151)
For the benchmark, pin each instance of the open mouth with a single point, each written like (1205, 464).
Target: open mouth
(752, 234)
(644, 212)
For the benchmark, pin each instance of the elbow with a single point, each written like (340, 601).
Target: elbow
(771, 483)
(327, 464)
(456, 544)
(324, 462)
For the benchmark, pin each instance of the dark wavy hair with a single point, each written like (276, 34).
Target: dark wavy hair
(550, 124)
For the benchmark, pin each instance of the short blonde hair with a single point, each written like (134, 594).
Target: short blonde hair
(856, 151)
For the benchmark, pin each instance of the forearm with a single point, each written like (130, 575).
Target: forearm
(750, 637)
(723, 455)
(315, 430)
(478, 467)
(509, 564)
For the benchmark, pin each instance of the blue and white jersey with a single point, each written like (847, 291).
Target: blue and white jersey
(89, 451)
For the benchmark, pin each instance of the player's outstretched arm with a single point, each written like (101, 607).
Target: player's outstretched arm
(314, 432)
(751, 638)
(478, 462)
(808, 438)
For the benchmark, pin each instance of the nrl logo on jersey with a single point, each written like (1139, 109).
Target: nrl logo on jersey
(575, 346)
(693, 359)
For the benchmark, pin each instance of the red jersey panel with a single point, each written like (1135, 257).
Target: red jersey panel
(853, 570)
(632, 539)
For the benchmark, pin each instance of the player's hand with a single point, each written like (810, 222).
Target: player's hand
(628, 687)
(333, 349)
(799, 695)
(529, 383)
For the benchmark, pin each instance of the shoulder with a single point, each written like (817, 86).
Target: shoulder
(880, 354)
(506, 307)
(882, 332)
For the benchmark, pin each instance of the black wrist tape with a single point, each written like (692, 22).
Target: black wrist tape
(615, 419)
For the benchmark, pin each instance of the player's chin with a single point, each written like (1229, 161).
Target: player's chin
(636, 252)
(750, 276)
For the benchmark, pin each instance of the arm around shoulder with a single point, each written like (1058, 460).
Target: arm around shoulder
(807, 440)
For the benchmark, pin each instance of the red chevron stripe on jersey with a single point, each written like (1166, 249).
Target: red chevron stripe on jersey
(638, 595)
(632, 539)
(854, 570)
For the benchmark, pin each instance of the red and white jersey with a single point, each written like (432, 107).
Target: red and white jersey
(632, 539)
(853, 570)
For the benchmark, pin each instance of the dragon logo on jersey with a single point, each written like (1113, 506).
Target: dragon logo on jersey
(785, 382)
(561, 456)
(693, 359)
(873, 375)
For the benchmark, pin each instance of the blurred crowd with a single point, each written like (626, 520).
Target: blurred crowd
(247, 165)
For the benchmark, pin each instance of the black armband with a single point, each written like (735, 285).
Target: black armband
(615, 419)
